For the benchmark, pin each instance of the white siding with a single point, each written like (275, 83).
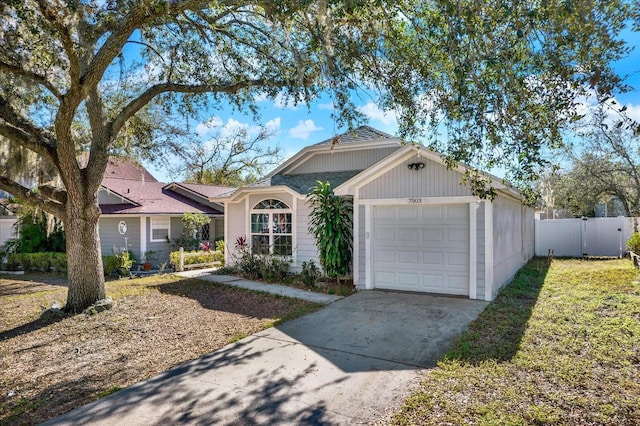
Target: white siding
(236, 214)
(480, 289)
(510, 251)
(7, 230)
(528, 226)
(305, 249)
(342, 161)
(434, 180)
(362, 249)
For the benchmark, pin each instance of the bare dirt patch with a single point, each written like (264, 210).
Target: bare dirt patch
(51, 364)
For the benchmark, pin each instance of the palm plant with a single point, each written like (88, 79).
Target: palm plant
(330, 223)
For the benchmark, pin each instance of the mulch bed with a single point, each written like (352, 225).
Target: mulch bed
(50, 364)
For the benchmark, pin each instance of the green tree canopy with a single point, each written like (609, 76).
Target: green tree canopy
(491, 83)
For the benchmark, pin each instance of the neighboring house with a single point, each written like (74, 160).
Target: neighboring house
(143, 215)
(416, 227)
(613, 207)
(7, 222)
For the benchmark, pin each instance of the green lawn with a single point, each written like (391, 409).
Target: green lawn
(560, 345)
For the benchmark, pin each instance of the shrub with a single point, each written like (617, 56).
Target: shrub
(37, 261)
(310, 273)
(273, 268)
(120, 262)
(633, 243)
(109, 264)
(58, 262)
(197, 257)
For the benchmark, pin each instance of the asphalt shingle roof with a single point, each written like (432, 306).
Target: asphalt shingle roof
(152, 198)
(359, 134)
(304, 182)
(203, 190)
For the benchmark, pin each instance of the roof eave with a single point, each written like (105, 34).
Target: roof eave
(242, 192)
(385, 164)
(311, 150)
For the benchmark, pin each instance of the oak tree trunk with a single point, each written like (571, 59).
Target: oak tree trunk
(84, 257)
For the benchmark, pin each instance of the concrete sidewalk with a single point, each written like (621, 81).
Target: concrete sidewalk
(351, 362)
(282, 290)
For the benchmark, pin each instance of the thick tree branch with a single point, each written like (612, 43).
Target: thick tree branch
(21, 131)
(35, 199)
(53, 192)
(50, 14)
(31, 76)
(138, 103)
(136, 18)
(99, 153)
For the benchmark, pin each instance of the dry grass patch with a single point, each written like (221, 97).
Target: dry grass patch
(52, 364)
(560, 345)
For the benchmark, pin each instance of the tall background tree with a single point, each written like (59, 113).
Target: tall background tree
(601, 164)
(492, 83)
(233, 157)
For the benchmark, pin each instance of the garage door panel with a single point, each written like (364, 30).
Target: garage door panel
(385, 279)
(385, 256)
(458, 235)
(457, 285)
(458, 214)
(407, 235)
(432, 213)
(458, 259)
(432, 258)
(383, 234)
(407, 214)
(408, 280)
(432, 283)
(408, 258)
(430, 235)
(421, 248)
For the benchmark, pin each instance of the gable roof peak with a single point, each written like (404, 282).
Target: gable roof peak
(359, 134)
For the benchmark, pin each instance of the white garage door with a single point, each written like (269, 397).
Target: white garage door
(421, 248)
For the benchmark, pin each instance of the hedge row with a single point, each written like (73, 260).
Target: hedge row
(196, 257)
(37, 261)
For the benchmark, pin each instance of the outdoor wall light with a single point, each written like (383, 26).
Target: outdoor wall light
(415, 166)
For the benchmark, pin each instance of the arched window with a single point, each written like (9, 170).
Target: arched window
(271, 228)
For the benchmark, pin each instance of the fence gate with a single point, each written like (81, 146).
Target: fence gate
(600, 236)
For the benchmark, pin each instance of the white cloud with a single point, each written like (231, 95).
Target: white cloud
(372, 111)
(209, 126)
(586, 106)
(328, 106)
(304, 129)
(273, 125)
(633, 112)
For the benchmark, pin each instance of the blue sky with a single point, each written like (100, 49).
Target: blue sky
(298, 126)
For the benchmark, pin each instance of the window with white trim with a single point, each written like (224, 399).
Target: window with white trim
(271, 228)
(160, 229)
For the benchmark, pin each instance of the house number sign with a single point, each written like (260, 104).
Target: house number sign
(415, 200)
(122, 227)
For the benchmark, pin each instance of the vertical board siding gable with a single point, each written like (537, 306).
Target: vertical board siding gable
(342, 161)
(434, 180)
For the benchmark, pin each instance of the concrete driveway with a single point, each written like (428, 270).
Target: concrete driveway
(345, 364)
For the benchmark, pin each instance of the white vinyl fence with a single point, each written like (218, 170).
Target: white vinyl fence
(600, 236)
